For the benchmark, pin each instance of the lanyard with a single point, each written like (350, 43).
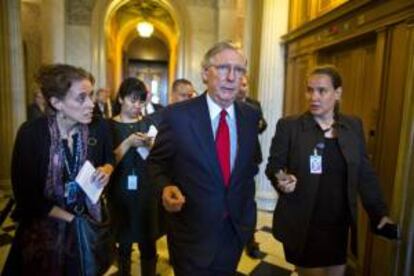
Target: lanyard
(72, 161)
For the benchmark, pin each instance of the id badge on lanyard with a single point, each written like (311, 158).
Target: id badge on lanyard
(132, 182)
(315, 163)
(70, 192)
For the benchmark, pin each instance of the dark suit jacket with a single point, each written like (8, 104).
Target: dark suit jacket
(34, 112)
(157, 107)
(293, 143)
(184, 155)
(98, 113)
(258, 106)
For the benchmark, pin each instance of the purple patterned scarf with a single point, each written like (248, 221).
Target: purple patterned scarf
(54, 186)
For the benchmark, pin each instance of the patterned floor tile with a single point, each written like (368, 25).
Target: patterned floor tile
(269, 269)
(271, 263)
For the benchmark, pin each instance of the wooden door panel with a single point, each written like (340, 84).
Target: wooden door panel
(297, 71)
(392, 103)
(356, 62)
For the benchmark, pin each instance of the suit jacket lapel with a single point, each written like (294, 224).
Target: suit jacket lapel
(201, 126)
(242, 135)
(345, 140)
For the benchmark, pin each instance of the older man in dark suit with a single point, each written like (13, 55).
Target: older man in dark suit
(204, 162)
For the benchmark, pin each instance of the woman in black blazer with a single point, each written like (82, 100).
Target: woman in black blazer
(318, 163)
(47, 156)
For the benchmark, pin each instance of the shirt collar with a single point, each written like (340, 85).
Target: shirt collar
(214, 109)
(309, 122)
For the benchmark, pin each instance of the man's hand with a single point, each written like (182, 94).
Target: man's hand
(172, 199)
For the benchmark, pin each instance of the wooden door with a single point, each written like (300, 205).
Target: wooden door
(154, 74)
(356, 62)
(297, 72)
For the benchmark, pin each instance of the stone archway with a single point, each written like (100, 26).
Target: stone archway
(106, 45)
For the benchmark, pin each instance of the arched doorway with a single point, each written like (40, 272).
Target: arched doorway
(147, 59)
(114, 28)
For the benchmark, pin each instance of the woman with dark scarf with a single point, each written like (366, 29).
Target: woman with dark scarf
(47, 156)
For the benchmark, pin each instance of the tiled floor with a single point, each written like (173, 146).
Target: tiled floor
(271, 263)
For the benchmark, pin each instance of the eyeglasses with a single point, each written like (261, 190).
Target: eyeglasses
(224, 70)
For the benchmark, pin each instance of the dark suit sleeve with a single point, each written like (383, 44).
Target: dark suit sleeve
(101, 153)
(33, 112)
(108, 155)
(155, 118)
(279, 150)
(262, 125)
(28, 175)
(262, 121)
(369, 188)
(161, 156)
(258, 156)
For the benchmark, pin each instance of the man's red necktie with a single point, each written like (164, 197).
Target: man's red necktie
(223, 147)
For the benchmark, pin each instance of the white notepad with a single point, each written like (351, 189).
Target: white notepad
(152, 131)
(144, 151)
(84, 179)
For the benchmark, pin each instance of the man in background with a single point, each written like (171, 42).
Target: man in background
(103, 104)
(243, 96)
(38, 107)
(182, 90)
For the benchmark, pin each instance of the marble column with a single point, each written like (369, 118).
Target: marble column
(248, 29)
(17, 77)
(53, 31)
(98, 46)
(201, 15)
(252, 41)
(270, 87)
(12, 92)
(229, 20)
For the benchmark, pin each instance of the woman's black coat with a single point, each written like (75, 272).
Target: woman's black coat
(293, 143)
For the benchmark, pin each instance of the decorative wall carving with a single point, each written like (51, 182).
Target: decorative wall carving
(227, 3)
(78, 12)
(145, 9)
(202, 3)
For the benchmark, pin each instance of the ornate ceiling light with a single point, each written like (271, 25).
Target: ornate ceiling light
(145, 29)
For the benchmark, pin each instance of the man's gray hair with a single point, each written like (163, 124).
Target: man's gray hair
(219, 47)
